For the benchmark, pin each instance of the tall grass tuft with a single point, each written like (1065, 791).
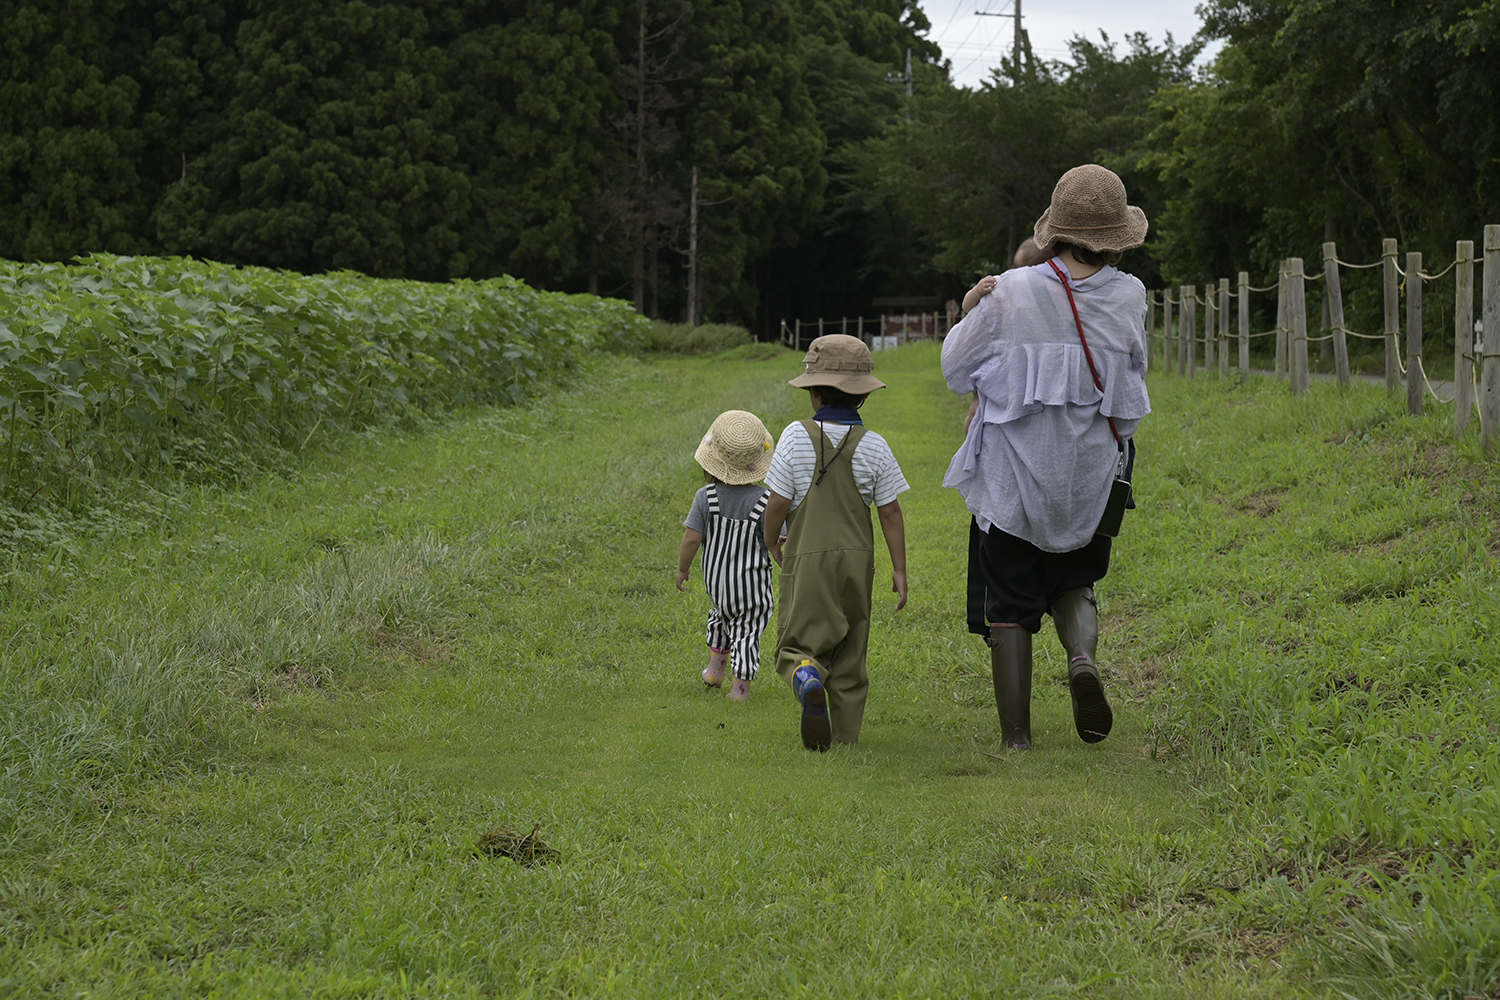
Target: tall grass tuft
(143, 692)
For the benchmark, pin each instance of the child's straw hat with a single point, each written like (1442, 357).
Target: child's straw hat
(737, 449)
(840, 361)
(1088, 210)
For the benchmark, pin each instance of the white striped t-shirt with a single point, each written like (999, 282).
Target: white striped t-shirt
(876, 474)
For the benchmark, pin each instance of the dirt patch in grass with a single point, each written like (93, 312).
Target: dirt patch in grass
(411, 642)
(288, 678)
(528, 851)
(1262, 504)
(1142, 676)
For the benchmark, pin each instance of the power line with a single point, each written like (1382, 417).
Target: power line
(1022, 40)
(972, 28)
(960, 5)
(984, 49)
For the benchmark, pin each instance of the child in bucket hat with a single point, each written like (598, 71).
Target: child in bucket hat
(725, 520)
(825, 475)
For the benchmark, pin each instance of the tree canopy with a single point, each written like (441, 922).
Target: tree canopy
(558, 142)
(1345, 119)
(440, 138)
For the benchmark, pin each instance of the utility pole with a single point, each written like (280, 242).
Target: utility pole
(692, 290)
(1020, 35)
(638, 224)
(1022, 41)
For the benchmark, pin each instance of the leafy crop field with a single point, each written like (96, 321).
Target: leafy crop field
(251, 745)
(121, 366)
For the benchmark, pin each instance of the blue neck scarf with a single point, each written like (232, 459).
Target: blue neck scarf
(839, 415)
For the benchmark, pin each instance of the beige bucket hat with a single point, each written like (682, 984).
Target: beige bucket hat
(840, 361)
(737, 448)
(1088, 210)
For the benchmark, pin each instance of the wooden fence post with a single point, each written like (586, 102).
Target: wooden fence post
(1297, 303)
(1392, 312)
(861, 322)
(1210, 324)
(1463, 336)
(1244, 326)
(1150, 325)
(1187, 331)
(1223, 329)
(1414, 378)
(1489, 385)
(1168, 340)
(1283, 319)
(798, 345)
(1333, 295)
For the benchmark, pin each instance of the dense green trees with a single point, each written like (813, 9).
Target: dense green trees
(1319, 119)
(1346, 119)
(559, 141)
(440, 138)
(973, 169)
(70, 139)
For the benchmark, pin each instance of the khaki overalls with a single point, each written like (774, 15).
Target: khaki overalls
(827, 580)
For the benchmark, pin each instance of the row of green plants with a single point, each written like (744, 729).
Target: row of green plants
(124, 365)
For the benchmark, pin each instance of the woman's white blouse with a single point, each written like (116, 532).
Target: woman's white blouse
(1039, 456)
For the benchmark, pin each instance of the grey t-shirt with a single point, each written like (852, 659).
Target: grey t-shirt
(735, 502)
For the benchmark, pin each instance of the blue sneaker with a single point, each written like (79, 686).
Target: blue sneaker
(807, 685)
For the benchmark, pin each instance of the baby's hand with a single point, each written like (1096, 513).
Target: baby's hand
(682, 582)
(984, 286)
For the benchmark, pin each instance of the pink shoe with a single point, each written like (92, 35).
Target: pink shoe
(739, 690)
(718, 660)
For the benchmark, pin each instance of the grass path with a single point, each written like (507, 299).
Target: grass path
(504, 646)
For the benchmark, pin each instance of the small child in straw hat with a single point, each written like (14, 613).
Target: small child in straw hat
(727, 519)
(825, 475)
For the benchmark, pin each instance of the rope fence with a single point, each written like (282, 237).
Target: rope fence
(1180, 335)
(883, 331)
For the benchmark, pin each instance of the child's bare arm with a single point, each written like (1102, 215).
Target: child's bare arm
(777, 508)
(973, 409)
(690, 541)
(893, 526)
(979, 291)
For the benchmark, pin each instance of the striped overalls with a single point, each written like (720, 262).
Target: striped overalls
(737, 576)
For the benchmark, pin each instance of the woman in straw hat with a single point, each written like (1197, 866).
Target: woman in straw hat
(1056, 354)
(726, 519)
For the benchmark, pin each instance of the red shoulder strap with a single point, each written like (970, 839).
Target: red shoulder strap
(1088, 355)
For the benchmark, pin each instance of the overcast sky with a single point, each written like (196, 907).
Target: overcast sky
(975, 43)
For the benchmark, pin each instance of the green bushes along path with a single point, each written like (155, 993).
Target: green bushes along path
(250, 748)
(120, 364)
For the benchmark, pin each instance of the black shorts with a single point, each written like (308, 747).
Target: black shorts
(1014, 582)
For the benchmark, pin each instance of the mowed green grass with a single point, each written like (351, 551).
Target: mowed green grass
(427, 636)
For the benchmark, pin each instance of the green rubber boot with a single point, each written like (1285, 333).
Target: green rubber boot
(1077, 619)
(1010, 662)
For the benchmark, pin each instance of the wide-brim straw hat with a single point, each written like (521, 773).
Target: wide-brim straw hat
(840, 361)
(737, 448)
(1088, 210)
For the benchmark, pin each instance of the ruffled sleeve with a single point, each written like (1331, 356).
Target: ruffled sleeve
(1022, 379)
